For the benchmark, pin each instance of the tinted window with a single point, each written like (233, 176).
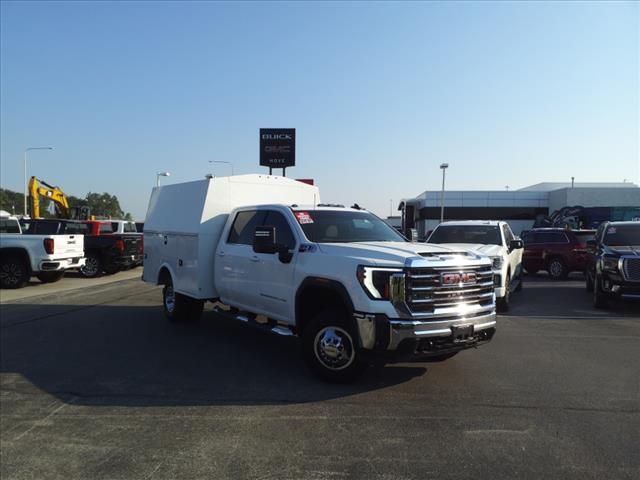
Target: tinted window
(45, 228)
(130, 227)
(244, 226)
(529, 237)
(284, 236)
(508, 234)
(140, 227)
(583, 237)
(551, 237)
(9, 225)
(483, 234)
(105, 228)
(621, 236)
(329, 226)
(77, 229)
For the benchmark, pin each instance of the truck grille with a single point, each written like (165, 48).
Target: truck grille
(426, 290)
(631, 269)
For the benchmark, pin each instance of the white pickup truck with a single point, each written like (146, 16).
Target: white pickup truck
(45, 256)
(354, 290)
(491, 238)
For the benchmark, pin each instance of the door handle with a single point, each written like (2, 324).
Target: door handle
(255, 259)
(221, 254)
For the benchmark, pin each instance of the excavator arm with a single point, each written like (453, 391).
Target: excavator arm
(38, 188)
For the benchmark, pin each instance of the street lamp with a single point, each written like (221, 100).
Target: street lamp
(222, 161)
(443, 166)
(25, 172)
(161, 174)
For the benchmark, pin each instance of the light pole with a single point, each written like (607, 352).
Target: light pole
(25, 172)
(443, 166)
(161, 174)
(222, 161)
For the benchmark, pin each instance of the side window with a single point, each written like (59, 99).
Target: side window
(105, 228)
(284, 235)
(114, 226)
(244, 226)
(46, 228)
(9, 225)
(508, 236)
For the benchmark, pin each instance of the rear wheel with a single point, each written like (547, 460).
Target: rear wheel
(557, 269)
(92, 267)
(330, 349)
(14, 272)
(600, 299)
(50, 277)
(180, 308)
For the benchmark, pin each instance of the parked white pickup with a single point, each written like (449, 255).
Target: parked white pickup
(45, 256)
(493, 239)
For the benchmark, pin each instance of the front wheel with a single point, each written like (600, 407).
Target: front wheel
(50, 277)
(330, 349)
(502, 303)
(600, 299)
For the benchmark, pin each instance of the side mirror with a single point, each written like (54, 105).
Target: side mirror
(264, 240)
(515, 244)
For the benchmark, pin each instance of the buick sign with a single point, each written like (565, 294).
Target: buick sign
(278, 147)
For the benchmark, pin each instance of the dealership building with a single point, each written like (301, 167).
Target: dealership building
(520, 208)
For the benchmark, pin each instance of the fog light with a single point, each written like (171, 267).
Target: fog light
(615, 288)
(497, 280)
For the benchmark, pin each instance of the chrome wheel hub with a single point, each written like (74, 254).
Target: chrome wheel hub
(556, 269)
(334, 348)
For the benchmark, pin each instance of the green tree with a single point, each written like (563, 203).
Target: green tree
(104, 205)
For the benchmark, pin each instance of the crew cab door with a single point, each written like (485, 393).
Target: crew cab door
(235, 260)
(273, 276)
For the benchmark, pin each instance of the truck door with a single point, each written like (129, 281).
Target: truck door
(237, 285)
(274, 278)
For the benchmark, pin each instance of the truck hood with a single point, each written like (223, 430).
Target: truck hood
(633, 250)
(388, 253)
(481, 248)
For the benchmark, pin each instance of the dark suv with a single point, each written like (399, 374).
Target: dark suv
(613, 268)
(556, 250)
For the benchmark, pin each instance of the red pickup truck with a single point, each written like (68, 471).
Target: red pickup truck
(556, 250)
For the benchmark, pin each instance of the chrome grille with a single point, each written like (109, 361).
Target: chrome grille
(631, 269)
(424, 291)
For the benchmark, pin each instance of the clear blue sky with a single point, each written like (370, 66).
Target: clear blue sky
(380, 93)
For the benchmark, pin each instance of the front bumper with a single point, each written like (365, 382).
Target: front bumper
(60, 264)
(423, 338)
(616, 286)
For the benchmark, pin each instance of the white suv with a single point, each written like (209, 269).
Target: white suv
(491, 238)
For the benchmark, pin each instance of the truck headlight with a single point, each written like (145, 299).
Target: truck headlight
(496, 262)
(610, 263)
(375, 281)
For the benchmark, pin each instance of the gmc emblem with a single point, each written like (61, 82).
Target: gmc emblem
(465, 278)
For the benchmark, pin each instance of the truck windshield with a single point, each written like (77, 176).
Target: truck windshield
(483, 234)
(331, 226)
(621, 236)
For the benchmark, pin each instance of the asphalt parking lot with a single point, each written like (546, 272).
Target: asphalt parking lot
(96, 385)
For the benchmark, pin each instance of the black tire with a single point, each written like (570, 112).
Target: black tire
(179, 308)
(92, 267)
(442, 357)
(557, 269)
(502, 303)
(520, 282)
(588, 281)
(600, 299)
(330, 347)
(14, 272)
(50, 277)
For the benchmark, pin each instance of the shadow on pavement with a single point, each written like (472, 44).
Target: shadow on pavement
(131, 356)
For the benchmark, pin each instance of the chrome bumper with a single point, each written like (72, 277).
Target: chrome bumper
(381, 333)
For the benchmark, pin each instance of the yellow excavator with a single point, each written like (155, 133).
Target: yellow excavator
(39, 188)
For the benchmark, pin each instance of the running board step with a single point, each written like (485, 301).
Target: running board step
(256, 321)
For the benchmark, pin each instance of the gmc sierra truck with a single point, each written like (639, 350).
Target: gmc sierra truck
(45, 256)
(351, 287)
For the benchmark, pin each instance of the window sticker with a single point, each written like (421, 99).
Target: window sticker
(611, 231)
(303, 218)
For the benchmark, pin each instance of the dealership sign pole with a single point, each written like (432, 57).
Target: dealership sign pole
(278, 148)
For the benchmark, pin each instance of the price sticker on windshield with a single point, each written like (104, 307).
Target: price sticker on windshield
(611, 231)
(303, 218)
